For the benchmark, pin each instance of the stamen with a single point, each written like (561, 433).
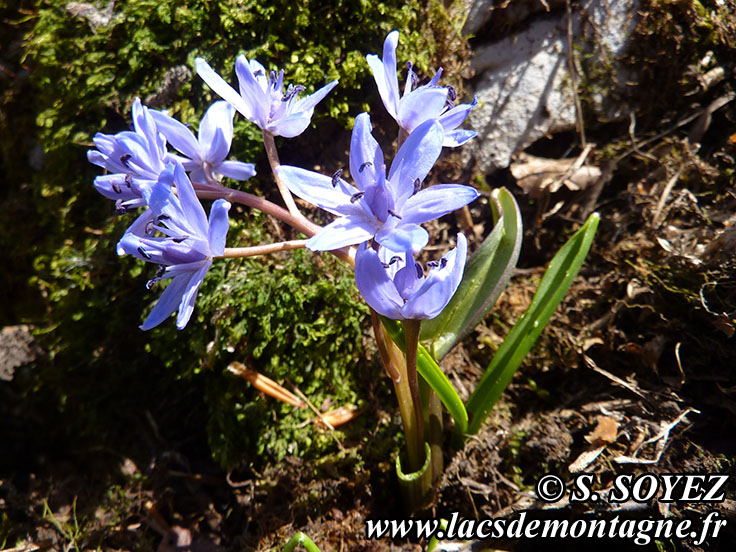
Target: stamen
(163, 216)
(116, 188)
(150, 228)
(143, 253)
(451, 93)
(392, 260)
(419, 269)
(433, 264)
(412, 75)
(149, 283)
(128, 179)
(292, 91)
(272, 77)
(161, 270)
(179, 240)
(258, 73)
(417, 186)
(390, 212)
(336, 177)
(120, 209)
(364, 165)
(124, 159)
(356, 197)
(443, 263)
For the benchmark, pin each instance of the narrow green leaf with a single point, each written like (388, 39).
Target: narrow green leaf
(486, 275)
(553, 287)
(434, 376)
(304, 540)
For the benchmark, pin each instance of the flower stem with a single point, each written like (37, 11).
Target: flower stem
(411, 336)
(236, 252)
(273, 159)
(382, 344)
(214, 190)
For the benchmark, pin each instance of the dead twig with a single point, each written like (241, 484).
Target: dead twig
(265, 385)
(661, 439)
(665, 195)
(573, 76)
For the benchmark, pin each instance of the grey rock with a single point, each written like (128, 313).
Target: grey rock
(17, 347)
(524, 85)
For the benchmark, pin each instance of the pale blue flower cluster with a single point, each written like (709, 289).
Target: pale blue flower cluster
(262, 99)
(173, 231)
(418, 104)
(383, 212)
(186, 244)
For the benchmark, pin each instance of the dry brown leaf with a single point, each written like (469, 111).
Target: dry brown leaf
(604, 433)
(538, 176)
(338, 416)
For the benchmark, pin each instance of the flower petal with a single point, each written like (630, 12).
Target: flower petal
(403, 237)
(375, 285)
(236, 169)
(317, 189)
(455, 138)
(389, 66)
(218, 227)
(436, 201)
(177, 134)
(384, 73)
(454, 117)
(190, 204)
(113, 186)
(216, 132)
(415, 159)
(168, 302)
(366, 156)
(421, 105)
(341, 232)
(309, 102)
(440, 285)
(186, 305)
(290, 126)
(223, 89)
(252, 92)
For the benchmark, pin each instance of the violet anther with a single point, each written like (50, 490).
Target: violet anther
(134, 159)
(187, 245)
(389, 209)
(399, 288)
(418, 104)
(205, 155)
(262, 99)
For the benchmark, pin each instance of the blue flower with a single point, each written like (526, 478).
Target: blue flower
(205, 155)
(134, 160)
(185, 250)
(429, 101)
(387, 208)
(262, 99)
(398, 288)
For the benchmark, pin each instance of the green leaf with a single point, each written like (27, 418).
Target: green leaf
(553, 287)
(433, 375)
(486, 275)
(304, 540)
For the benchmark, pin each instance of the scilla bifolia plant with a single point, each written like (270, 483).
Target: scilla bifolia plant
(419, 312)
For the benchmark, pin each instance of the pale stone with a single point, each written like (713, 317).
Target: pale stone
(525, 87)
